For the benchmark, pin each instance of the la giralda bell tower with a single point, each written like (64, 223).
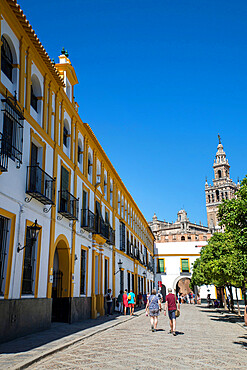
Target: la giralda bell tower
(223, 187)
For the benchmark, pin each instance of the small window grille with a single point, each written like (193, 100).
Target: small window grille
(29, 264)
(83, 271)
(3, 250)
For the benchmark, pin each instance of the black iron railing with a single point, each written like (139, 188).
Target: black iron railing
(40, 185)
(88, 220)
(13, 128)
(4, 149)
(111, 239)
(97, 225)
(68, 205)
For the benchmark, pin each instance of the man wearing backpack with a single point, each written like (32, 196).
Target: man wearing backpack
(131, 301)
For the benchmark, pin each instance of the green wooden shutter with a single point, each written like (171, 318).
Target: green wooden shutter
(64, 179)
(160, 265)
(185, 265)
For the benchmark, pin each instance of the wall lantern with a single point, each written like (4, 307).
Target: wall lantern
(32, 232)
(119, 266)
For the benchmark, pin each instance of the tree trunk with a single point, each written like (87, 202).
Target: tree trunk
(236, 291)
(231, 295)
(224, 297)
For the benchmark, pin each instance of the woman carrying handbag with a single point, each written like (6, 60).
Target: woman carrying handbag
(154, 306)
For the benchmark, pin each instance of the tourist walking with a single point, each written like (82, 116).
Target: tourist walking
(171, 304)
(154, 306)
(125, 301)
(109, 302)
(144, 299)
(131, 302)
(120, 301)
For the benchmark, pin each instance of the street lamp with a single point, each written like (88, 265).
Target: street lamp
(33, 231)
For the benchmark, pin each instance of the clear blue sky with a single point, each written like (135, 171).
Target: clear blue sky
(158, 79)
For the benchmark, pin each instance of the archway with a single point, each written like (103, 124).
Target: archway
(183, 286)
(61, 281)
(163, 291)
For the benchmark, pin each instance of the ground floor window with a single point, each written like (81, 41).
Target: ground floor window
(29, 268)
(83, 271)
(121, 280)
(4, 242)
(106, 275)
(128, 281)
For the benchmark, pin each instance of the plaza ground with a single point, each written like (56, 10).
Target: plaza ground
(205, 339)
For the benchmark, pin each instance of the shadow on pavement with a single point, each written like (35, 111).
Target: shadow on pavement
(241, 342)
(179, 333)
(56, 332)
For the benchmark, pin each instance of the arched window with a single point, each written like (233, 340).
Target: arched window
(79, 154)
(217, 195)
(6, 59)
(90, 163)
(105, 185)
(182, 237)
(35, 94)
(209, 198)
(219, 174)
(66, 133)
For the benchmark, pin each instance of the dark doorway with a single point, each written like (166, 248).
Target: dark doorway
(60, 303)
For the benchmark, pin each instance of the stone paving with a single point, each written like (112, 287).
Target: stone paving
(206, 340)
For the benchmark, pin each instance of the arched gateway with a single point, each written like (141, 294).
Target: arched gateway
(61, 281)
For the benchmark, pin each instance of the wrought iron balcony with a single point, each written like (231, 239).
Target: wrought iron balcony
(4, 149)
(68, 205)
(111, 240)
(40, 185)
(97, 225)
(88, 220)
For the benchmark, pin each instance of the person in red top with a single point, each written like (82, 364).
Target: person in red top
(171, 304)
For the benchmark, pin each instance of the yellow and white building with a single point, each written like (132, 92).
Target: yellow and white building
(69, 228)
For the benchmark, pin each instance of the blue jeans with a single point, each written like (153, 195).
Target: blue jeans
(172, 314)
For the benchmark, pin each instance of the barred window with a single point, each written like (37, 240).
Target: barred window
(4, 241)
(83, 271)
(29, 269)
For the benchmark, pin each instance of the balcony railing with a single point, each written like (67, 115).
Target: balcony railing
(68, 205)
(88, 220)
(40, 185)
(111, 240)
(3, 153)
(97, 225)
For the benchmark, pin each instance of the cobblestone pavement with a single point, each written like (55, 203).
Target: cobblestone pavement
(206, 340)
